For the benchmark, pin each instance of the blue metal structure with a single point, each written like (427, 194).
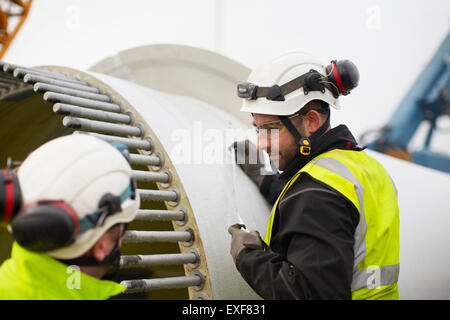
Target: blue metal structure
(427, 100)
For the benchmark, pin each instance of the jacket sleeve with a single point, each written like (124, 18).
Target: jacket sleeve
(314, 249)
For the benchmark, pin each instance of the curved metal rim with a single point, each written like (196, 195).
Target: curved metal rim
(181, 203)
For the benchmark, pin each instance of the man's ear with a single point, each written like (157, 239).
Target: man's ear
(312, 121)
(101, 248)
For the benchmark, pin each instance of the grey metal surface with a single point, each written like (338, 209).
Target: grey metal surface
(14, 82)
(160, 215)
(131, 143)
(81, 93)
(34, 78)
(81, 102)
(100, 126)
(145, 160)
(145, 285)
(141, 261)
(133, 236)
(149, 176)
(158, 195)
(21, 72)
(93, 114)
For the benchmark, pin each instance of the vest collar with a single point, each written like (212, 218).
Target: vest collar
(336, 138)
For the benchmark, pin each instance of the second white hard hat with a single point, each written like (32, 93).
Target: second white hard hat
(79, 170)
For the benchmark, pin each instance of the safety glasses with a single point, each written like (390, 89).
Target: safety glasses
(272, 125)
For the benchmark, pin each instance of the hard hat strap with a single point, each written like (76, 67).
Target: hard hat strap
(112, 259)
(98, 217)
(305, 143)
(310, 81)
(292, 129)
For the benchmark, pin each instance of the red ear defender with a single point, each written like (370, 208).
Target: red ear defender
(10, 196)
(344, 75)
(39, 226)
(337, 78)
(45, 225)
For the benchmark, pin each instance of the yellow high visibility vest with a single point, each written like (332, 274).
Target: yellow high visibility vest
(363, 181)
(31, 275)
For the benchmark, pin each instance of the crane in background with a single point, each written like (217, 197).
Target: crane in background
(12, 16)
(427, 100)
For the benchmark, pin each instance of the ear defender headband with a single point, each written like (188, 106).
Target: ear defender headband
(342, 76)
(48, 225)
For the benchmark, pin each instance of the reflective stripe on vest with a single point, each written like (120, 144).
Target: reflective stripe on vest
(363, 181)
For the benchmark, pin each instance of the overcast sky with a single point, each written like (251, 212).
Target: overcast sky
(390, 41)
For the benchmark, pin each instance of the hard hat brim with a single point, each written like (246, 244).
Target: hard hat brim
(294, 102)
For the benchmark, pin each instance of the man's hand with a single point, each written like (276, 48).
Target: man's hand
(241, 239)
(249, 159)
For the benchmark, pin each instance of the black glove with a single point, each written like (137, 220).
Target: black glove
(241, 239)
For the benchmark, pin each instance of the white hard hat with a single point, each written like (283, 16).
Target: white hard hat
(79, 170)
(280, 71)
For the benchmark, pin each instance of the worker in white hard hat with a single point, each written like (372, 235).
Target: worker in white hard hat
(334, 229)
(70, 203)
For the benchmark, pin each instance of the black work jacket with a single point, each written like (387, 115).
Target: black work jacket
(311, 249)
